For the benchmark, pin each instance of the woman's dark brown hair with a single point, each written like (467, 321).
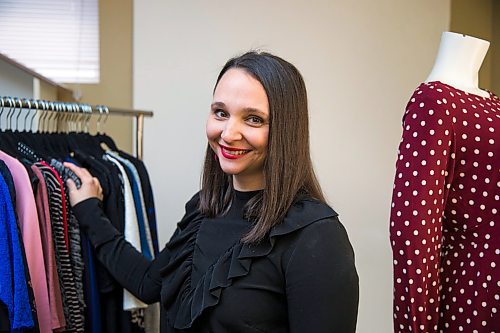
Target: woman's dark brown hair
(288, 169)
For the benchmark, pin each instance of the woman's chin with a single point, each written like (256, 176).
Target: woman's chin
(231, 171)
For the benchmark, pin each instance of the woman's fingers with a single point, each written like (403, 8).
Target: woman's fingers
(90, 186)
(82, 173)
(71, 185)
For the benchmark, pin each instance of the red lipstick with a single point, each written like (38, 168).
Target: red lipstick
(226, 152)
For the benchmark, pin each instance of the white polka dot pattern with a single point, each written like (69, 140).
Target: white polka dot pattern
(444, 224)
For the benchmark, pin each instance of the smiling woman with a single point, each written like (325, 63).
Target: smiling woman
(258, 249)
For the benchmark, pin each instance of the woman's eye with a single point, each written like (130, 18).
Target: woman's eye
(220, 113)
(255, 120)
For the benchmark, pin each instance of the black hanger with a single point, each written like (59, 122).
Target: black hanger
(107, 140)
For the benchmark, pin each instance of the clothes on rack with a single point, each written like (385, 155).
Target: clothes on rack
(14, 291)
(68, 271)
(54, 289)
(27, 218)
(131, 233)
(71, 290)
(19, 104)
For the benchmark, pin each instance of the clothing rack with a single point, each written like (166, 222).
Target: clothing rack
(81, 108)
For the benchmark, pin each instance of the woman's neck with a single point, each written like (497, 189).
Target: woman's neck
(458, 61)
(247, 184)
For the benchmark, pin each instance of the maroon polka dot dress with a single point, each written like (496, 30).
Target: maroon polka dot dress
(444, 216)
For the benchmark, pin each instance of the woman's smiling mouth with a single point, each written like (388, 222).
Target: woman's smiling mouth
(233, 153)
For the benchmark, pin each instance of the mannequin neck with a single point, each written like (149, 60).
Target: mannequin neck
(458, 61)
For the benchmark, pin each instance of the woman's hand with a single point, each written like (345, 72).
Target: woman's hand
(91, 188)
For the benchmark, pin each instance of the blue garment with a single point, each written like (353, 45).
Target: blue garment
(140, 214)
(134, 180)
(147, 192)
(13, 288)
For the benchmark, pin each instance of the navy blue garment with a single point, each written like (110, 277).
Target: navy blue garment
(93, 321)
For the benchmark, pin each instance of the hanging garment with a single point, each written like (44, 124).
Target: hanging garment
(93, 318)
(444, 217)
(73, 312)
(152, 312)
(147, 192)
(132, 235)
(110, 317)
(7, 176)
(30, 229)
(73, 229)
(114, 318)
(55, 299)
(13, 287)
(4, 317)
(142, 218)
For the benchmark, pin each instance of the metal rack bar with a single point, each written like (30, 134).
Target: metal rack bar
(69, 107)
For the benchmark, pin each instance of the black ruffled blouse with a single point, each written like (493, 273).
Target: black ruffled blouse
(300, 278)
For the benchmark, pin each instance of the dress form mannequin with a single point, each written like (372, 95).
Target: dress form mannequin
(458, 61)
(444, 210)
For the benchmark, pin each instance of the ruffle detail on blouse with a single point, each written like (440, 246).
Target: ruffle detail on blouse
(185, 303)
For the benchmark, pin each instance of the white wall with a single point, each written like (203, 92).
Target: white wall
(14, 82)
(361, 61)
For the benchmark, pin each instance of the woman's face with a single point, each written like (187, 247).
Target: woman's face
(238, 128)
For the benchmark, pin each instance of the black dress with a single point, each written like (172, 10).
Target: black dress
(300, 278)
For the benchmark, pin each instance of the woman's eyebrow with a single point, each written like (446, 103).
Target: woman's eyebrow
(254, 110)
(245, 110)
(218, 105)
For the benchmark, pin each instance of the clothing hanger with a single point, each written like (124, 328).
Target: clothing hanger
(8, 142)
(103, 138)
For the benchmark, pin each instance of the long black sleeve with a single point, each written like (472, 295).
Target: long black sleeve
(321, 280)
(127, 265)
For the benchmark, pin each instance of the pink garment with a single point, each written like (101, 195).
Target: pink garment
(30, 230)
(55, 299)
(444, 218)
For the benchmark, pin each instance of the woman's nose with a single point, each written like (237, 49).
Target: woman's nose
(231, 132)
